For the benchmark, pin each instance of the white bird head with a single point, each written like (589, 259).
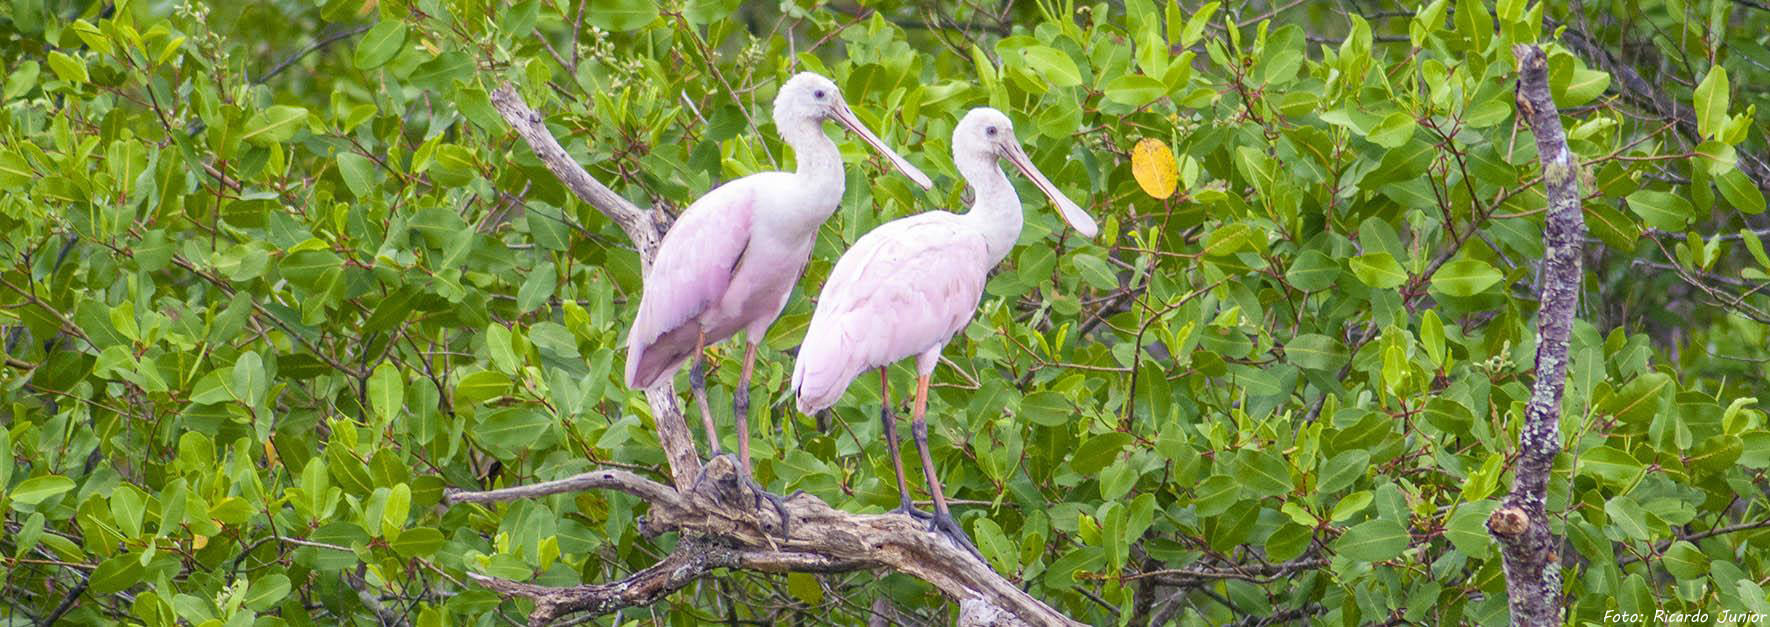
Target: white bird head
(986, 135)
(809, 99)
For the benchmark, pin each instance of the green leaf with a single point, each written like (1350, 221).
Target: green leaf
(1312, 271)
(1263, 473)
(1711, 101)
(620, 15)
(14, 170)
(1378, 270)
(1098, 451)
(993, 544)
(1135, 90)
(381, 44)
(1465, 277)
(1314, 351)
(387, 391)
(417, 542)
(554, 337)
(1353, 503)
(1740, 191)
(1715, 454)
(1394, 131)
(22, 80)
(1615, 229)
(480, 387)
(806, 588)
(1373, 541)
(1048, 409)
(499, 348)
(1229, 239)
(1637, 402)
(441, 72)
(67, 68)
(1467, 530)
(512, 428)
(1214, 495)
(249, 382)
(1611, 466)
(274, 125)
(1582, 87)
(267, 591)
(116, 574)
(395, 512)
(1627, 517)
(1661, 210)
(1054, 65)
(5, 458)
(1448, 415)
(1432, 337)
(358, 172)
(1342, 470)
(38, 489)
(128, 503)
(392, 310)
(1684, 561)
(1195, 25)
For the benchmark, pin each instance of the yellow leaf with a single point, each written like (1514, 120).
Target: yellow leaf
(1153, 165)
(198, 541)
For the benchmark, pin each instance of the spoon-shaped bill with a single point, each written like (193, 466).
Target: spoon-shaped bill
(1071, 212)
(846, 118)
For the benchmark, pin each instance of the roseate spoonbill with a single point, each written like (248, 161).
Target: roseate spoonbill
(906, 287)
(732, 257)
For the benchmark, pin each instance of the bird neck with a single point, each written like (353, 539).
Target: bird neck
(995, 209)
(820, 163)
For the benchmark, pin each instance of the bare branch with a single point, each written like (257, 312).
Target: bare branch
(692, 558)
(637, 223)
(721, 528)
(607, 479)
(641, 227)
(1521, 524)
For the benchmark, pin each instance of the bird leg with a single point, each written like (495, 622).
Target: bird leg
(943, 519)
(740, 404)
(741, 413)
(903, 488)
(697, 380)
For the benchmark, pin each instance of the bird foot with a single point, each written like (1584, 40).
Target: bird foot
(944, 524)
(731, 489)
(910, 510)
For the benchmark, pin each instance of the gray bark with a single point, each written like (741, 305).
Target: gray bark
(1521, 524)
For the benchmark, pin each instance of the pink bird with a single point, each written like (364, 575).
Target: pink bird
(733, 256)
(908, 286)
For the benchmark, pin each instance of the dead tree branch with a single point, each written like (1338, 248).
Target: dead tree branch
(1521, 524)
(712, 509)
(641, 227)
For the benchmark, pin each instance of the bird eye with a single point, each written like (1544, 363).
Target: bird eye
(990, 131)
(819, 94)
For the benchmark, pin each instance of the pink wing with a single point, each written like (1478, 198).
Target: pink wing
(691, 272)
(904, 289)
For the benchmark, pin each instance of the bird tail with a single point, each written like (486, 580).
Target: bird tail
(823, 370)
(647, 362)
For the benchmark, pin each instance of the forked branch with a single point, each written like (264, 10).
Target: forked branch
(714, 512)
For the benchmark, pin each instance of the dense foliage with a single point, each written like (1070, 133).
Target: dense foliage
(276, 274)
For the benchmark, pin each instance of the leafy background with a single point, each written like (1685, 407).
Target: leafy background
(276, 275)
